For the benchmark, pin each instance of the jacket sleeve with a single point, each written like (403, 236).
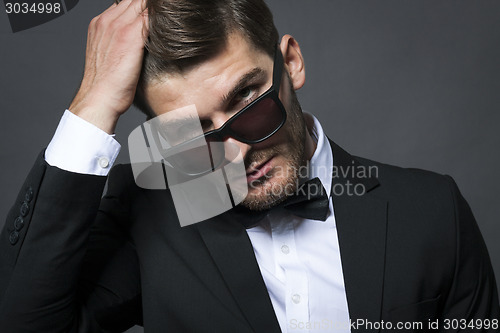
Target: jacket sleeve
(65, 265)
(473, 296)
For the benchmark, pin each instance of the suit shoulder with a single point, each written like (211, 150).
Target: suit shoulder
(407, 179)
(422, 204)
(429, 195)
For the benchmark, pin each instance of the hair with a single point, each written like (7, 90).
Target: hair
(184, 33)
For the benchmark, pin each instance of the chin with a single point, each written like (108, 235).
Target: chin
(282, 181)
(271, 190)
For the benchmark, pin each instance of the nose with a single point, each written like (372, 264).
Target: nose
(235, 150)
(232, 147)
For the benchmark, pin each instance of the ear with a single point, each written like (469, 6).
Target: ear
(294, 62)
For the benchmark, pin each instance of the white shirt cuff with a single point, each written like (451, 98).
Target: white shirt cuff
(78, 146)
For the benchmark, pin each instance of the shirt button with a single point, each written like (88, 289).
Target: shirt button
(285, 249)
(296, 298)
(18, 223)
(103, 162)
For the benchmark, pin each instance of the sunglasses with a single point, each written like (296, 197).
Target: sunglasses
(256, 122)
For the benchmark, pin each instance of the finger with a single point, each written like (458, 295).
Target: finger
(115, 10)
(144, 18)
(99, 24)
(141, 23)
(134, 9)
(114, 5)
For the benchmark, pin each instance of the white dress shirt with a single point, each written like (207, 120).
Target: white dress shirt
(299, 259)
(79, 146)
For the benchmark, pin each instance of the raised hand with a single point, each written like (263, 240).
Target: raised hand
(115, 49)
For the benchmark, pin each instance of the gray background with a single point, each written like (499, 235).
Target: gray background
(411, 83)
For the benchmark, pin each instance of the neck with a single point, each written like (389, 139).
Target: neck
(310, 144)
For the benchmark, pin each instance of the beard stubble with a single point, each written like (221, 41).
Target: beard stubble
(270, 190)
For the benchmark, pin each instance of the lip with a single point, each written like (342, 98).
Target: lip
(259, 171)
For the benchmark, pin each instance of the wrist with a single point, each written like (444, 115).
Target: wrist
(99, 117)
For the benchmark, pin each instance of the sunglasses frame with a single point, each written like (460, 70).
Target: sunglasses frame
(219, 134)
(225, 130)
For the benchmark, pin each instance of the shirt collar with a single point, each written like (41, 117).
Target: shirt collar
(321, 163)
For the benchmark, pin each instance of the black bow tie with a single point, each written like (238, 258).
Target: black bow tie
(309, 201)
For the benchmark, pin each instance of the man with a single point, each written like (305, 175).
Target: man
(404, 249)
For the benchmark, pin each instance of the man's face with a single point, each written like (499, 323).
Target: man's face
(219, 88)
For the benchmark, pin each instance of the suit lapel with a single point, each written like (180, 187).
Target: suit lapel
(361, 224)
(232, 251)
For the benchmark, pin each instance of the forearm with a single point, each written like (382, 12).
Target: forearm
(45, 235)
(40, 269)
(41, 262)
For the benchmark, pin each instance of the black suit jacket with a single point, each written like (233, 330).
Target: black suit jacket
(410, 249)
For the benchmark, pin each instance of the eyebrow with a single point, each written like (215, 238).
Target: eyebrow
(252, 76)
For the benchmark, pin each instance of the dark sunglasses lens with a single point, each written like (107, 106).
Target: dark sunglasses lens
(260, 120)
(199, 157)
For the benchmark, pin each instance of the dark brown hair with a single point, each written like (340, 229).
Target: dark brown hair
(183, 33)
